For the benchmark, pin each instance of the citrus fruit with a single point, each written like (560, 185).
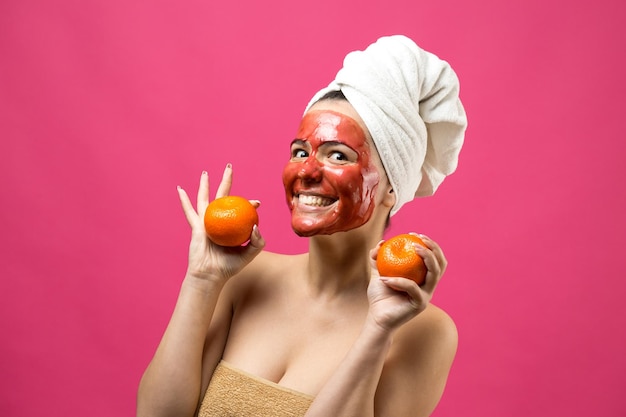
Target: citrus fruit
(397, 258)
(229, 220)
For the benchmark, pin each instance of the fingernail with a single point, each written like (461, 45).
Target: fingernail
(178, 187)
(229, 165)
(204, 173)
(257, 232)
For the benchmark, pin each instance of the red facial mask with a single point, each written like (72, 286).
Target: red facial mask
(331, 180)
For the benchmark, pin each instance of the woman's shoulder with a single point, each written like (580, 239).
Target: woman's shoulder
(270, 263)
(432, 332)
(266, 269)
(436, 319)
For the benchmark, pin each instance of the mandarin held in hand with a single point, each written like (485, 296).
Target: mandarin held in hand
(229, 220)
(397, 257)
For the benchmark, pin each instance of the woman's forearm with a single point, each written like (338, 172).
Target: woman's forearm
(351, 389)
(171, 383)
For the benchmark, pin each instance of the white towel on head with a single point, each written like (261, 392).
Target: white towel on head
(409, 101)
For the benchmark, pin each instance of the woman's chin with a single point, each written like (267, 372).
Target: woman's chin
(308, 229)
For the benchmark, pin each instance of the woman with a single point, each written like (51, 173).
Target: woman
(322, 334)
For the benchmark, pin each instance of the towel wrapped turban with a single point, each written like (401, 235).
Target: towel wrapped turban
(409, 101)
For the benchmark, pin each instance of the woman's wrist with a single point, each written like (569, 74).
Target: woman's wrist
(376, 330)
(197, 300)
(205, 283)
(376, 335)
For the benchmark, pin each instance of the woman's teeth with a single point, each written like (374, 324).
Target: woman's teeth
(312, 200)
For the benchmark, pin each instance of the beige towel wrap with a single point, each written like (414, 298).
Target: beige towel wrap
(234, 393)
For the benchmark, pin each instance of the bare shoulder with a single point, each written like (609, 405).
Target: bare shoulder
(265, 270)
(271, 263)
(417, 368)
(273, 260)
(432, 326)
(429, 340)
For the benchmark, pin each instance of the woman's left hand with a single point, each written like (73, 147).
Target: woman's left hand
(394, 300)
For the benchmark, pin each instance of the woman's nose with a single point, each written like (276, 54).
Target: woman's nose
(311, 170)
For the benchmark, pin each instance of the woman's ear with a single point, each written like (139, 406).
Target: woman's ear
(389, 199)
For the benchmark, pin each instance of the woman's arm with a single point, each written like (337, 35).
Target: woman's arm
(417, 367)
(172, 382)
(394, 353)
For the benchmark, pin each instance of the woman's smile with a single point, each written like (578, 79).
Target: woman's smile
(306, 200)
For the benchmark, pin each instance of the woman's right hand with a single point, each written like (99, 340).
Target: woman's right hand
(207, 260)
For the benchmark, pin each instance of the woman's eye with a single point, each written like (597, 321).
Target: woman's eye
(299, 153)
(338, 156)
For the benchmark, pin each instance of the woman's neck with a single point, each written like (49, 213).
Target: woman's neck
(339, 264)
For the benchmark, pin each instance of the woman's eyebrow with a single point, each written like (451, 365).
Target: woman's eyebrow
(334, 142)
(300, 142)
(337, 143)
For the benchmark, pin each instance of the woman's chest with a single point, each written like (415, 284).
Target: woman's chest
(295, 344)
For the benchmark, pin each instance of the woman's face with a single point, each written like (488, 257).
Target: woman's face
(331, 178)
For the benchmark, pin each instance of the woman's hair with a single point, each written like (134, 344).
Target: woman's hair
(333, 95)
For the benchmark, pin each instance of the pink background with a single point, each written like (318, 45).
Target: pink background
(106, 106)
